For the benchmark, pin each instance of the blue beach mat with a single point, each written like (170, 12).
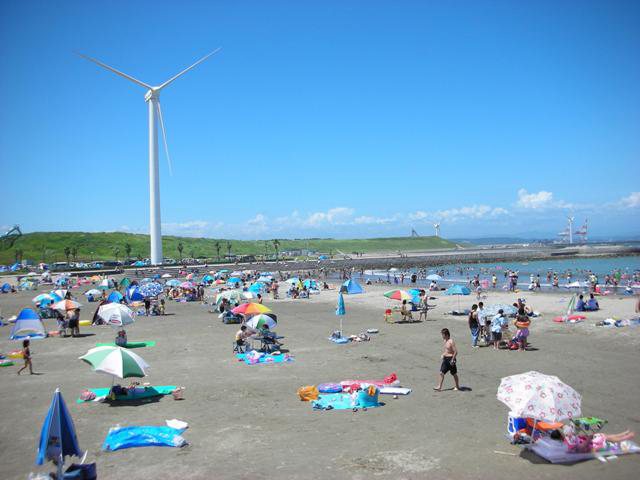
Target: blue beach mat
(340, 340)
(129, 437)
(339, 401)
(266, 359)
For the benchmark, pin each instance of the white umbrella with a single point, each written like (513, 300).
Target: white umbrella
(116, 361)
(116, 314)
(166, 275)
(93, 291)
(538, 396)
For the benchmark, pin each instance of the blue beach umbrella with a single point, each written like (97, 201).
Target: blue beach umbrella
(434, 277)
(457, 290)
(340, 310)
(173, 283)
(58, 437)
(207, 279)
(257, 287)
(234, 281)
(151, 289)
(114, 297)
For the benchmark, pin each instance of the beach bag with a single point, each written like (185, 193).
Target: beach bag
(87, 395)
(368, 397)
(308, 393)
(391, 379)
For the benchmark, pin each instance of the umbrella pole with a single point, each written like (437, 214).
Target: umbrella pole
(340, 325)
(60, 465)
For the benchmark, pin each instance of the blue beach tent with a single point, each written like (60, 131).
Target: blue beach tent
(351, 287)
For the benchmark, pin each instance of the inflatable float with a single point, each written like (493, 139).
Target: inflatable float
(569, 319)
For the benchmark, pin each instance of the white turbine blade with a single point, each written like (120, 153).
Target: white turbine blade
(117, 72)
(164, 138)
(187, 69)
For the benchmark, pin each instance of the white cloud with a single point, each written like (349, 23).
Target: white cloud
(333, 216)
(190, 228)
(473, 212)
(631, 201)
(368, 220)
(541, 199)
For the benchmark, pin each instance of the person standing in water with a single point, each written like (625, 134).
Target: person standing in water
(449, 360)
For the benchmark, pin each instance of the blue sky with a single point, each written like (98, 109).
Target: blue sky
(343, 119)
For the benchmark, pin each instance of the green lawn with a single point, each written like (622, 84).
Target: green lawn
(50, 246)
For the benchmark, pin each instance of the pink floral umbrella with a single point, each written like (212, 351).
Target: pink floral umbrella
(538, 396)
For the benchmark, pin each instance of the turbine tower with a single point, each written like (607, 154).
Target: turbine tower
(152, 97)
(437, 227)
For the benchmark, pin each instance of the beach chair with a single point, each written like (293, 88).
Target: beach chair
(239, 348)
(269, 343)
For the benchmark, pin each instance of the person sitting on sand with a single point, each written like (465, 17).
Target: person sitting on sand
(121, 338)
(592, 304)
(580, 305)
(405, 312)
(265, 332)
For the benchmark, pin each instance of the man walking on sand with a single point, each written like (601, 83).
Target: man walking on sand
(449, 355)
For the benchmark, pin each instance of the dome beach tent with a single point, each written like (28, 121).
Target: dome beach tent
(28, 325)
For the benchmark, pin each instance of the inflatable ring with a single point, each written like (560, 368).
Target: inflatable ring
(85, 323)
(15, 354)
(6, 363)
(330, 388)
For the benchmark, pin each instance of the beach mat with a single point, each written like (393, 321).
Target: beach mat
(150, 343)
(265, 359)
(149, 392)
(336, 401)
(554, 451)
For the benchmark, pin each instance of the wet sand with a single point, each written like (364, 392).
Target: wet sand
(247, 421)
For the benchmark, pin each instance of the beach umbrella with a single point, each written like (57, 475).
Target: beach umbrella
(116, 314)
(64, 306)
(236, 273)
(247, 309)
(150, 289)
(310, 283)
(257, 287)
(249, 295)
(115, 297)
(61, 281)
(44, 297)
(457, 290)
(292, 281)
(340, 310)
(434, 277)
(116, 361)
(187, 285)
(94, 291)
(538, 396)
(232, 295)
(219, 282)
(173, 283)
(146, 280)
(60, 293)
(125, 282)
(234, 281)
(95, 278)
(166, 275)
(207, 279)
(58, 437)
(258, 321)
(189, 277)
(398, 295)
(265, 278)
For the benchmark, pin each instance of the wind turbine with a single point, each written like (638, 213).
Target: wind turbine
(152, 97)
(437, 227)
(570, 220)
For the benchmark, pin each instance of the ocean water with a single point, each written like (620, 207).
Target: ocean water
(579, 268)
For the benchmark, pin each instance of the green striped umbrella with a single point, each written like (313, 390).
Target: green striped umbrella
(258, 321)
(116, 361)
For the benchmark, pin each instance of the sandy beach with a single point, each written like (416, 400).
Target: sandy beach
(247, 421)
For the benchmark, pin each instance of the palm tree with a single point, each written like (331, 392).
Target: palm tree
(67, 253)
(217, 247)
(180, 249)
(276, 245)
(74, 253)
(228, 249)
(116, 252)
(127, 250)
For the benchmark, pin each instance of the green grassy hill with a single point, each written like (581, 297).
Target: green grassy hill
(50, 246)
